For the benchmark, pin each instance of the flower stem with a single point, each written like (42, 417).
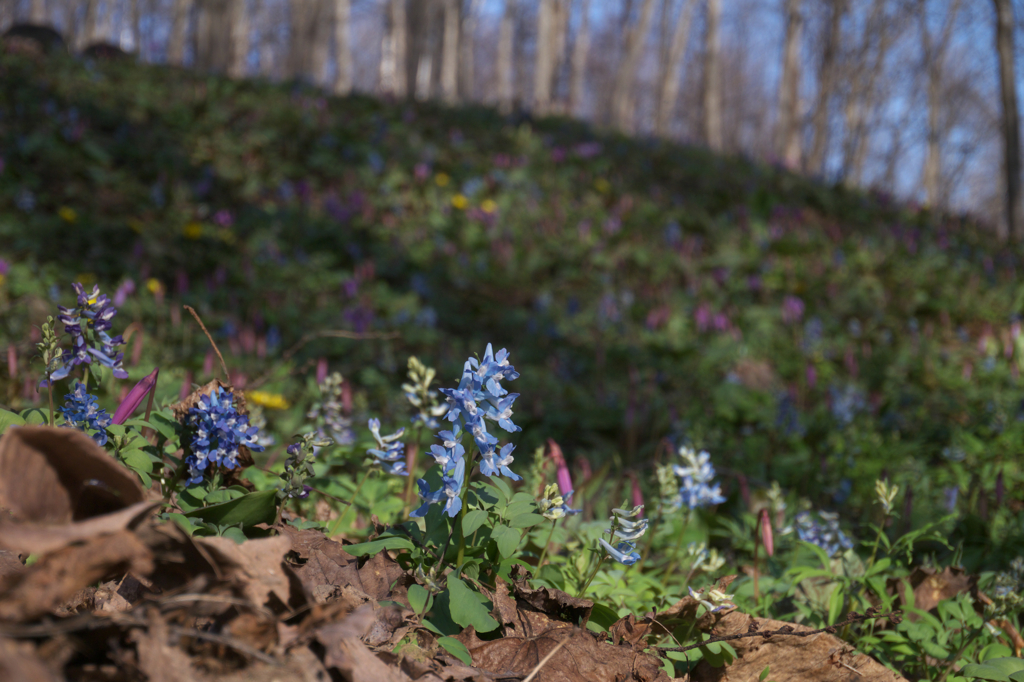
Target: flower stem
(336, 526)
(675, 549)
(593, 574)
(462, 514)
(49, 391)
(544, 554)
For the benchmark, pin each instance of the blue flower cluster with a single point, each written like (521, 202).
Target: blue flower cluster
(696, 475)
(390, 452)
(88, 324)
(81, 411)
(479, 398)
(824, 533)
(847, 403)
(218, 431)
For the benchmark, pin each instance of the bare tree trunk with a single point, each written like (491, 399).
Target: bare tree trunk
(672, 72)
(934, 53)
(623, 102)
(450, 52)
(1011, 123)
(467, 43)
(826, 87)
(578, 63)
(862, 74)
(787, 143)
(302, 38)
(320, 51)
(179, 29)
(424, 30)
(214, 39)
(37, 12)
(544, 67)
(713, 77)
(504, 66)
(90, 27)
(343, 74)
(393, 60)
(240, 28)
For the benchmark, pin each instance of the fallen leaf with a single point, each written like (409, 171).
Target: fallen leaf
(257, 565)
(17, 664)
(56, 577)
(37, 538)
(57, 475)
(817, 658)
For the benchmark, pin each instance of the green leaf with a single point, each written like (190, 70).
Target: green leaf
(456, 649)
(430, 626)
(521, 507)
(418, 597)
(764, 673)
(472, 521)
(527, 520)
(506, 538)
(248, 510)
(466, 608)
(994, 669)
(502, 486)
(9, 419)
(35, 416)
(183, 521)
(879, 566)
(835, 604)
(603, 615)
(378, 545)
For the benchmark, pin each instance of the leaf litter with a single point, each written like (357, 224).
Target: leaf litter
(94, 588)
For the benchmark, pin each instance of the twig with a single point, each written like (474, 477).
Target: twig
(225, 640)
(788, 631)
(846, 665)
(216, 598)
(325, 333)
(223, 365)
(543, 661)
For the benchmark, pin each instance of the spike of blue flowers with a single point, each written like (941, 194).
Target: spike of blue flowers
(81, 412)
(390, 452)
(624, 552)
(218, 431)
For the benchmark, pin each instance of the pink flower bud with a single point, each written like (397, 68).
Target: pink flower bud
(562, 474)
(638, 495)
(12, 361)
(321, 370)
(134, 398)
(186, 386)
(766, 533)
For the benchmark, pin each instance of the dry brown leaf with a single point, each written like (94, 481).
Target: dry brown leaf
(158, 658)
(17, 663)
(583, 657)
(817, 658)
(349, 655)
(257, 565)
(327, 568)
(58, 475)
(931, 586)
(56, 577)
(10, 564)
(37, 538)
(550, 601)
(378, 575)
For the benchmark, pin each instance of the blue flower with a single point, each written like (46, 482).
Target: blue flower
(479, 397)
(390, 452)
(824, 533)
(81, 411)
(88, 324)
(217, 433)
(696, 476)
(628, 532)
(451, 487)
(625, 552)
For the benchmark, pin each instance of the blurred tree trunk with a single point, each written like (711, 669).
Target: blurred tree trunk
(826, 87)
(450, 52)
(787, 144)
(213, 37)
(672, 69)
(933, 53)
(343, 74)
(578, 65)
(467, 56)
(544, 66)
(37, 13)
(713, 77)
(179, 29)
(302, 32)
(503, 63)
(424, 47)
(90, 25)
(393, 70)
(265, 38)
(1014, 225)
(135, 15)
(863, 74)
(624, 88)
(320, 51)
(239, 17)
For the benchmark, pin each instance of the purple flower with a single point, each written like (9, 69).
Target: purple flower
(88, 324)
(134, 398)
(792, 309)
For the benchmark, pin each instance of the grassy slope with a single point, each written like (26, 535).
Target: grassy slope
(602, 257)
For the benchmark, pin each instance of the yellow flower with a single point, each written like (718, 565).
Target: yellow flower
(460, 202)
(441, 179)
(602, 185)
(192, 230)
(272, 401)
(489, 205)
(67, 214)
(154, 285)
